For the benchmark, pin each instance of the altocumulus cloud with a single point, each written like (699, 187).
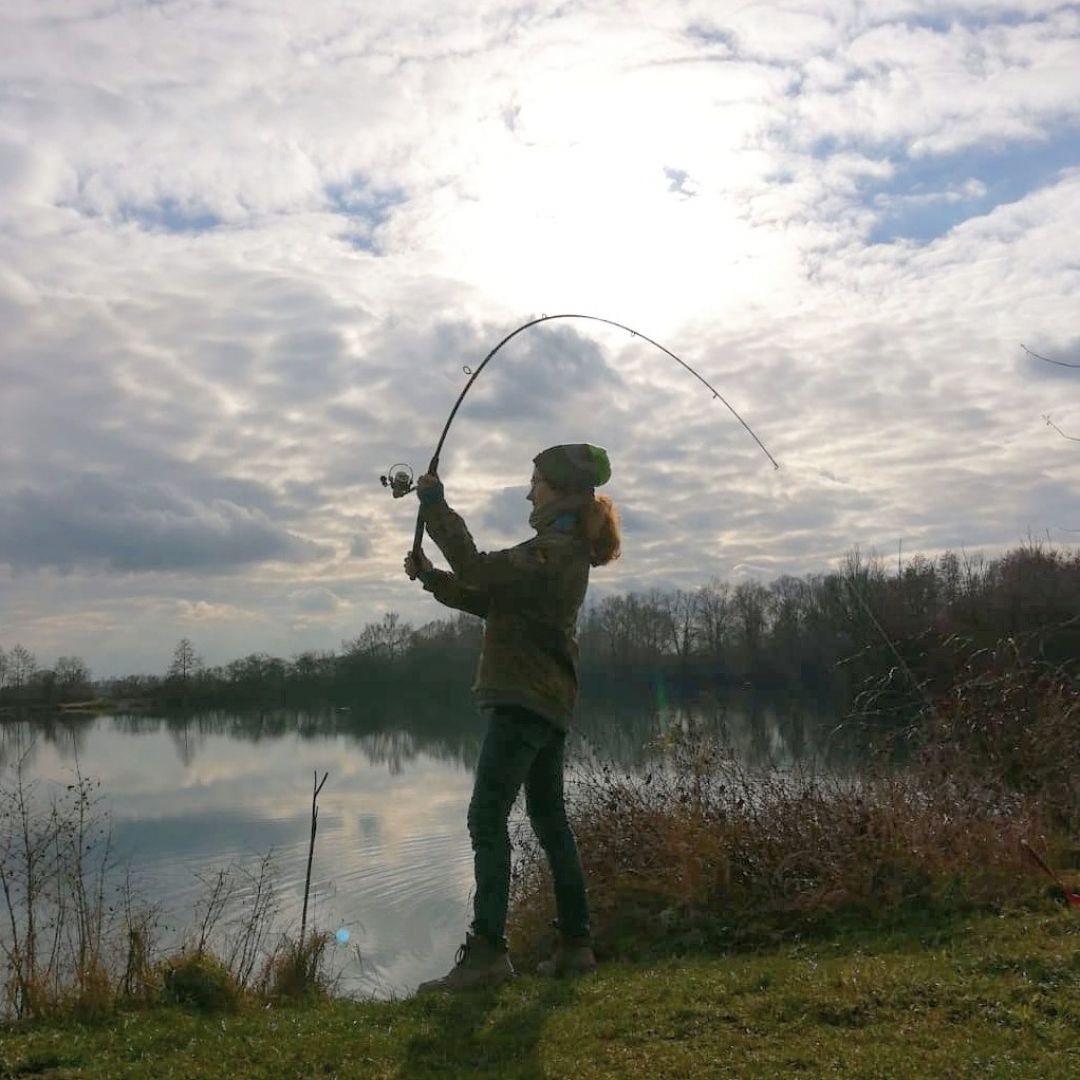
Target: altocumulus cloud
(95, 522)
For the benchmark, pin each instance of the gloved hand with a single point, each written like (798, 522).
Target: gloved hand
(429, 490)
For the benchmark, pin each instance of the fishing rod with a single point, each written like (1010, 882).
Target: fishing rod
(399, 478)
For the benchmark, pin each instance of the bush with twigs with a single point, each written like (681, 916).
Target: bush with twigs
(1011, 721)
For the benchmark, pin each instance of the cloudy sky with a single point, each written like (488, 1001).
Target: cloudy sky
(247, 249)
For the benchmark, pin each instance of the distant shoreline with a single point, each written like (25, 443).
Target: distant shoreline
(92, 707)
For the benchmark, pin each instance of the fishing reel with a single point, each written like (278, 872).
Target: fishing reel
(399, 480)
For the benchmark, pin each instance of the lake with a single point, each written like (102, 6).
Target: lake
(189, 794)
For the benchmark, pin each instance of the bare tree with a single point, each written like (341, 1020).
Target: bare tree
(750, 602)
(184, 662)
(634, 625)
(72, 674)
(613, 624)
(680, 621)
(388, 639)
(715, 616)
(21, 666)
(312, 666)
(789, 602)
(650, 623)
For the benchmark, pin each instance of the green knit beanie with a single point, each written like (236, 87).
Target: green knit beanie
(575, 466)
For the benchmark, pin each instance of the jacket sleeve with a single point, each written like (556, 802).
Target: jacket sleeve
(449, 591)
(518, 569)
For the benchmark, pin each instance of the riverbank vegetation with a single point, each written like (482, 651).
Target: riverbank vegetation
(702, 855)
(704, 852)
(77, 938)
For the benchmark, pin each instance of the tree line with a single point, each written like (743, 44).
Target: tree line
(23, 679)
(828, 633)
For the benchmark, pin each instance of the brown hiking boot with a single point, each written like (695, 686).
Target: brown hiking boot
(573, 956)
(478, 964)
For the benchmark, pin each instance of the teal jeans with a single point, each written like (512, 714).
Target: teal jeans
(521, 747)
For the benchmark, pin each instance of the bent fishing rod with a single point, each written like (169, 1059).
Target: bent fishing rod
(400, 477)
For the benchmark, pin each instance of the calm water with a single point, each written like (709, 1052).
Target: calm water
(392, 862)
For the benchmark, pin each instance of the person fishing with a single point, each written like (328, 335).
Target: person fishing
(526, 686)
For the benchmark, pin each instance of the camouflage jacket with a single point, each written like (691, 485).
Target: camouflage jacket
(529, 597)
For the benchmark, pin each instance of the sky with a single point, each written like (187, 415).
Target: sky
(248, 250)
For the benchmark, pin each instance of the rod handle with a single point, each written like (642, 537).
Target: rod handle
(418, 536)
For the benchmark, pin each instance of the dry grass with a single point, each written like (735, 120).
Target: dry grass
(704, 851)
(298, 971)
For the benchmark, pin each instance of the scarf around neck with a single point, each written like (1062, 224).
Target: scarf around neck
(544, 516)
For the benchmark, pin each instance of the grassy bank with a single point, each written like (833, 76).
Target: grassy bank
(884, 922)
(994, 996)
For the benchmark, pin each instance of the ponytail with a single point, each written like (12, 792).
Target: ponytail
(600, 520)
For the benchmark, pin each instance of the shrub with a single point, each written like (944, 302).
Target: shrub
(199, 980)
(296, 972)
(1009, 723)
(93, 996)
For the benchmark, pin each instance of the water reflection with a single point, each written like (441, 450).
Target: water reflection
(191, 793)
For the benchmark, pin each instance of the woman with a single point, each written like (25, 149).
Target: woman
(526, 683)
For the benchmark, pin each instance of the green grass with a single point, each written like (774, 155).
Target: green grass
(96, 705)
(989, 997)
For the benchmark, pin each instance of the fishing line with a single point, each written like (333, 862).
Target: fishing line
(399, 478)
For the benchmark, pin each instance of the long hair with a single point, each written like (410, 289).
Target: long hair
(601, 523)
(598, 520)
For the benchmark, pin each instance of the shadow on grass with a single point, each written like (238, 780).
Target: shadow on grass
(486, 1032)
